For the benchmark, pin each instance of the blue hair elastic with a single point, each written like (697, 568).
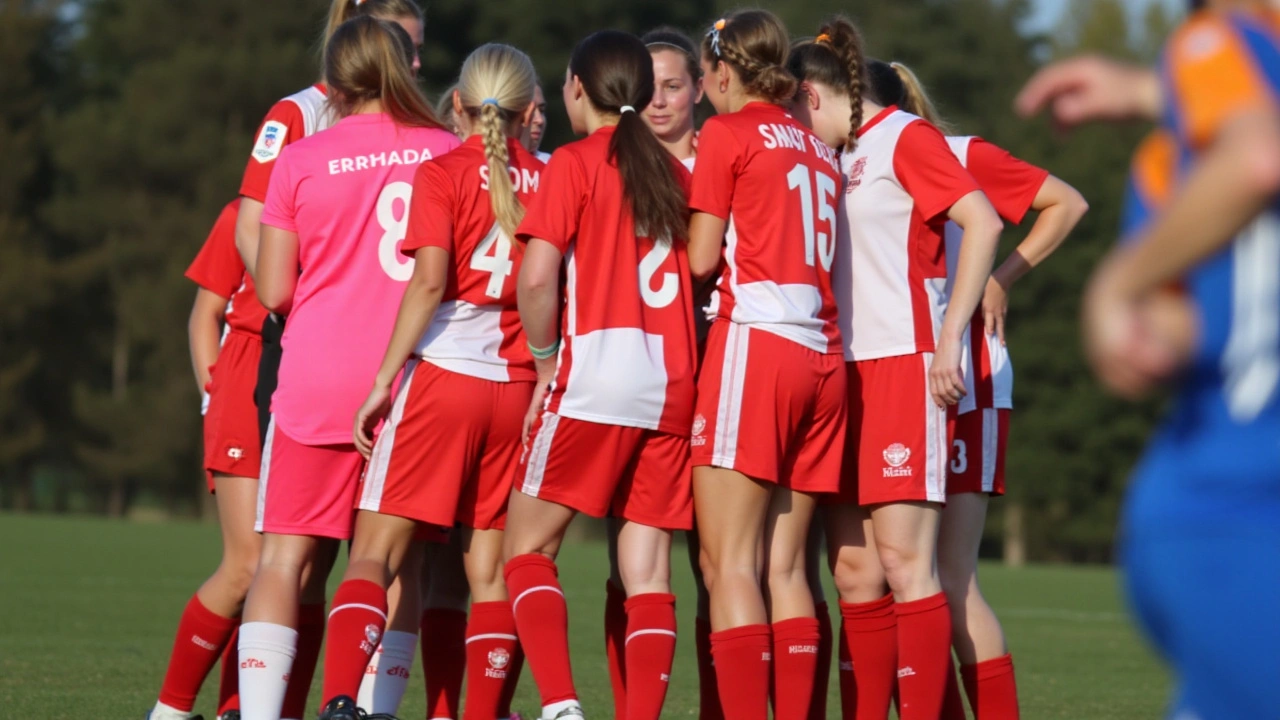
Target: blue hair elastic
(490, 101)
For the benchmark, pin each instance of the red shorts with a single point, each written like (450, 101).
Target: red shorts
(450, 449)
(231, 445)
(627, 472)
(898, 437)
(977, 452)
(307, 489)
(770, 408)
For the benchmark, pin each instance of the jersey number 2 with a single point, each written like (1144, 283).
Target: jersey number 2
(396, 266)
(821, 244)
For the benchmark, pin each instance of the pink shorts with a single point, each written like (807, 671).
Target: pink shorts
(770, 408)
(630, 473)
(450, 449)
(977, 452)
(898, 441)
(307, 489)
(231, 445)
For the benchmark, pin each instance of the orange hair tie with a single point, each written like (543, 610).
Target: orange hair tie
(823, 38)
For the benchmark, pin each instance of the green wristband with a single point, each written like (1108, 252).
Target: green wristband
(546, 352)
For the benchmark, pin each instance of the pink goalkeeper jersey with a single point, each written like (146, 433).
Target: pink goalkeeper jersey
(346, 193)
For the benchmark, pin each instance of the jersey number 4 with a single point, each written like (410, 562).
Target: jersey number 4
(493, 255)
(820, 244)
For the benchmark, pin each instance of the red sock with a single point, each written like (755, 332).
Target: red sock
(742, 658)
(924, 644)
(311, 621)
(871, 638)
(513, 680)
(615, 641)
(952, 703)
(491, 646)
(650, 647)
(443, 635)
(542, 618)
(822, 681)
(795, 665)
(229, 682)
(992, 689)
(355, 627)
(844, 674)
(201, 637)
(708, 694)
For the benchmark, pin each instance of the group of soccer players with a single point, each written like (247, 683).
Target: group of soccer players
(783, 327)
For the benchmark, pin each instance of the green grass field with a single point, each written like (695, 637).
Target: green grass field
(88, 609)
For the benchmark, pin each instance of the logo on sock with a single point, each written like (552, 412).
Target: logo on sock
(766, 656)
(499, 659)
(664, 677)
(372, 633)
(906, 672)
(802, 649)
(371, 670)
(201, 642)
(399, 671)
(253, 664)
(897, 455)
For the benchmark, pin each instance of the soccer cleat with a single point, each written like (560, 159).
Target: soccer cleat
(230, 715)
(342, 708)
(572, 712)
(192, 717)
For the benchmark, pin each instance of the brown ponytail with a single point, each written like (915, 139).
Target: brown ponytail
(754, 43)
(496, 85)
(369, 59)
(895, 84)
(343, 10)
(617, 73)
(835, 59)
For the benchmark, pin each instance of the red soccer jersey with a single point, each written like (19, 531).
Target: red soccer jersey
(627, 356)
(293, 118)
(777, 185)
(476, 331)
(219, 269)
(1011, 185)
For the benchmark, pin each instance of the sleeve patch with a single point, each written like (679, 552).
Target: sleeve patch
(270, 141)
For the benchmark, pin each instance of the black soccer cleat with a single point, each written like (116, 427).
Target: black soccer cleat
(342, 708)
(230, 715)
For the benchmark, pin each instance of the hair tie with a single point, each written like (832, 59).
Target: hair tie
(823, 38)
(626, 109)
(714, 34)
(491, 101)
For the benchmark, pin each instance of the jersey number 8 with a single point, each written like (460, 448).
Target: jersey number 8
(396, 266)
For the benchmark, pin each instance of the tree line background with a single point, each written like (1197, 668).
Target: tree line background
(125, 126)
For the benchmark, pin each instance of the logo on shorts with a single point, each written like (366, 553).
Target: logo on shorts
(897, 455)
(235, 453)
(906, 672)
(855, 175)
(699, 424)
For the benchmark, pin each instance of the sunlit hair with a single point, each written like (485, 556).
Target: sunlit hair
(755, 44)
(895, 84)
(616, 73)
(668, 38)
(370, 59)
(834, 59)
(444, 110)
(496, 86)
(343, 10)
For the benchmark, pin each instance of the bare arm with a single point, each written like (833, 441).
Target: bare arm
(248, 234)
(1092, 88)
(706, 239)
(204, 333)
(277, 262)
(538, 296)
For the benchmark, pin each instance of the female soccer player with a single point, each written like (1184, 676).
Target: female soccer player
(976, 468)
(614, 401)
(225, 344)
(337, 209)
(537, 127)
(453, 438)
(904, 343)
(676, 92)
(771, 395)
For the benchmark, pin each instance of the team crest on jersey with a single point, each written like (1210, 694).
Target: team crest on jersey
(855, 174)
(270, 141)
(699, 425)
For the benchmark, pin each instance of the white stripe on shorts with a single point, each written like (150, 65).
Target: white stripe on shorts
(537, 465)
(935, 441)
(732, 386)
(990, 447)
(375, 477)
(264, 474)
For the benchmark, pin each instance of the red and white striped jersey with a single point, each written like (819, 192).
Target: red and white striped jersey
(1011, 185)
(219, 269)
(891, 269)
(627, 352)
(476, 330)
(776, 185)
(303, 113)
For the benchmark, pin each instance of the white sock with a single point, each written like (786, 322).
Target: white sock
(549, 712)
(266, 658)
(387, 677)
(164, 712)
